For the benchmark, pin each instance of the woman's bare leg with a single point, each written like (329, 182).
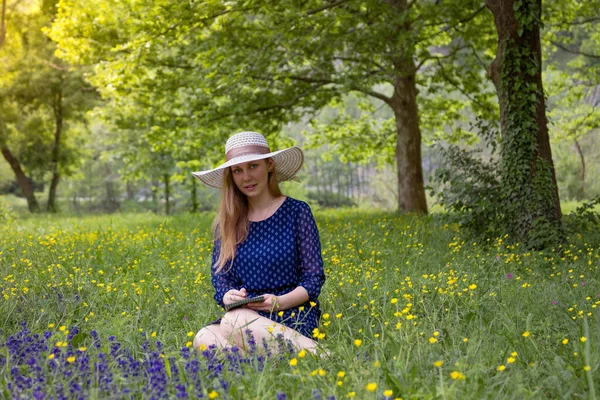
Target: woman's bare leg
(210, 335)
(235, 323)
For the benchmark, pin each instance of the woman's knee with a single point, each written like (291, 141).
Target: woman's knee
(237, 320)
(207, 336)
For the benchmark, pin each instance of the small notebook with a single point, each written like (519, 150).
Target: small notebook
(240, 303)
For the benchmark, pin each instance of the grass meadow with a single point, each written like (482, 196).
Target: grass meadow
(107, 306)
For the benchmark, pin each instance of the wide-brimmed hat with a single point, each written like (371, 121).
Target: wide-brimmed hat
(244, 147)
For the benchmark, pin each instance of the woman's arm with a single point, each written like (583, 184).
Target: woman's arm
(224, 280)
(279, 303)
(308, 244)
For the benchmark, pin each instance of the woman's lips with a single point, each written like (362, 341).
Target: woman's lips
(250, 187)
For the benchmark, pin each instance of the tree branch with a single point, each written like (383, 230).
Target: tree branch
(56, 66)
(323, 81)
(372, 93)
(3, 23)
(326, 7)
(284, 105)
(451, 54)
(573, 23)
(451, 82)
(460, 21)
(563, 47)
(359, 61)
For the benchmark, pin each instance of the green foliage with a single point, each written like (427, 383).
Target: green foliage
(330, 200)
(39, 94)
(184, 76)
(6, 213)
(469, 187)
(585, 218)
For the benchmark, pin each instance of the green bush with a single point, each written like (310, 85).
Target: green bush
(331, 200)
(471, 187)
(6, 213)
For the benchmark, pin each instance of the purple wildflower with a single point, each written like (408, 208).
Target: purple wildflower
(316, 394)
(181, 391)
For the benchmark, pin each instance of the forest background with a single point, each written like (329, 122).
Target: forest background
(109, 106)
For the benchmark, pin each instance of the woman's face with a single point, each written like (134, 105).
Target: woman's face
(252, 178)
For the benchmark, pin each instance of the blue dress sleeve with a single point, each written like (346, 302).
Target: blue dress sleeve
(225, 279)
(308, 244)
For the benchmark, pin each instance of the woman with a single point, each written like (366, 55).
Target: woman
(266, 244)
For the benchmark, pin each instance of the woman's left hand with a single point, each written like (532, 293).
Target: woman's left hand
(270, 304)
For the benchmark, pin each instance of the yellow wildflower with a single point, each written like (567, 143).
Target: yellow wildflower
(371, 387)
(457, 375)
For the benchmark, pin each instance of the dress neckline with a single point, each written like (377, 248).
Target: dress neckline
(272, 215)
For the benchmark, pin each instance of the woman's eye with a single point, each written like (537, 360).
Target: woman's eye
(237, 171)
(253, 165)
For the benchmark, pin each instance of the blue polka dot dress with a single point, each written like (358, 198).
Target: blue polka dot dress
(280, 253)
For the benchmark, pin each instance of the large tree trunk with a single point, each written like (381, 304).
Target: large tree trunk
(24, 183)
(411, 188)
(527, 167)
(58, 117)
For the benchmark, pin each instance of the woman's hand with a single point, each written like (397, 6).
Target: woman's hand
(270, 304)
(234, 295)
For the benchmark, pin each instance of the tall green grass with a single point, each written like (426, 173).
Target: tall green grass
(410, 309)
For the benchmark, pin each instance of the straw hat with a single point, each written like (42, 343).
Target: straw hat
(244, 147)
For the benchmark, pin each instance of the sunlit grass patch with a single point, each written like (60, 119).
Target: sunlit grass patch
(410, 310)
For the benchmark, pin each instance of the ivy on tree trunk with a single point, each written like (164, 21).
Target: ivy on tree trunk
(529, 188)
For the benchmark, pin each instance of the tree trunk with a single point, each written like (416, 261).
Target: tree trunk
(167, 194)
(111, 202)
(24, 183)
(527, 169)
(582, 174)
(194, 195)
(3, 23)
(317, 177)
(155, 196)
(130, 191)
(58, 117)
(411, 188)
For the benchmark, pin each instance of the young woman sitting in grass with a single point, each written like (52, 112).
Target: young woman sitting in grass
(266, 244)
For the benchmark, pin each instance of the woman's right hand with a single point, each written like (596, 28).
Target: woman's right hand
(234, 295)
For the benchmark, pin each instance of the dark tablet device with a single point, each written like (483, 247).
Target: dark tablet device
(240, 303)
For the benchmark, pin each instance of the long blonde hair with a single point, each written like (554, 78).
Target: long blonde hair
(231, 224)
